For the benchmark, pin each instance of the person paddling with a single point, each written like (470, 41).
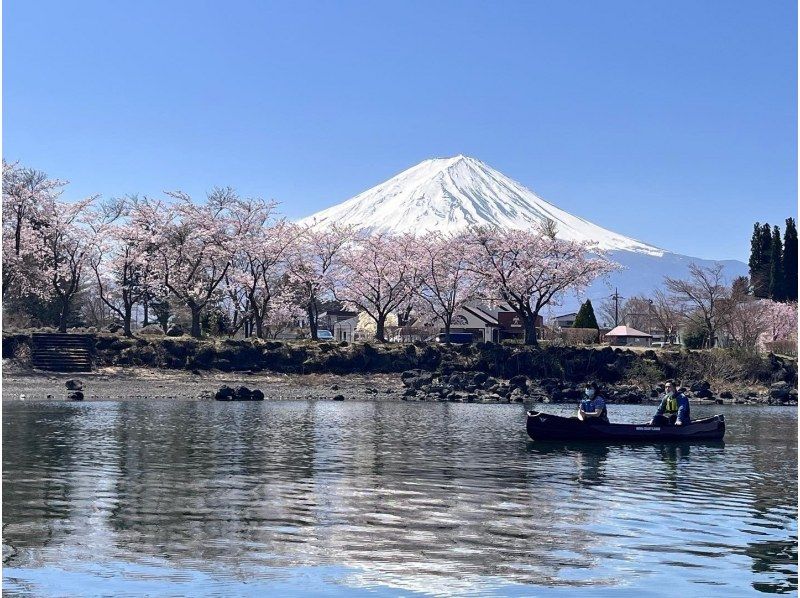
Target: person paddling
(593, 406)
(674, 408)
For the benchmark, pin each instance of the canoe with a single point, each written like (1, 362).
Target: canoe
(544, 426)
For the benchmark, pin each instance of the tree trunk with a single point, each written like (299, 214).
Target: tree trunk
(530, 331)
(447, 325)
(380, 329)
(312, 321)
(259, 322)
(62, 319)
(126, 320)
(196, 332)
(145, 321)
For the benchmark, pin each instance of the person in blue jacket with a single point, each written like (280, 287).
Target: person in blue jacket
(593, 405)
(674, 408)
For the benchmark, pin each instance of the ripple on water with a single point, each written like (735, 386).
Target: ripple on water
(435, 498)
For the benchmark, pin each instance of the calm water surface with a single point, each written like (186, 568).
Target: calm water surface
(299, 498)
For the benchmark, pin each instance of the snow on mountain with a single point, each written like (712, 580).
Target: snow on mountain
(450, 194)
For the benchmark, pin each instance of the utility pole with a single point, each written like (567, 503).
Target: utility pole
(616, 297)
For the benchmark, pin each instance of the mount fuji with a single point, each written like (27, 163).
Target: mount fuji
(452, 194)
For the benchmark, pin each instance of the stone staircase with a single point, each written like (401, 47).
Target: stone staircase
(62, 352)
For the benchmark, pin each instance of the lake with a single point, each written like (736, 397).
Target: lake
(386, 498)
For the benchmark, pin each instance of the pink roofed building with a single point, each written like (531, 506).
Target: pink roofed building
(627, 336)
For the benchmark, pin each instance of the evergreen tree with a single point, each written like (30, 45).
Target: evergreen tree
(790, 260)
(760, 259)
(756, 259)
(586, 317)
(776, 280)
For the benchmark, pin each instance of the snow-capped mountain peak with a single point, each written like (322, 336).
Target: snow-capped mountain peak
(451, 194)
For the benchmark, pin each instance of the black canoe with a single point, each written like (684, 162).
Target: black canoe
(543, 426)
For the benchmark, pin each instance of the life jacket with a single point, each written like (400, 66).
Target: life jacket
(671, 404)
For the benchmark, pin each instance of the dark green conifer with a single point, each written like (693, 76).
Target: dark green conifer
(761, 251)
(586, 317)
(776, 273)
(755, 261)
(790, 260)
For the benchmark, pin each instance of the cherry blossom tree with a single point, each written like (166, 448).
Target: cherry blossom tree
(315, 262)
(123, 255)
(63, 245)
(531, 269)
(282, 312)
(782, 322)
(196, 248)
(446, 281)
(26, 194)
(379, 273)
(258, 261)
(754, 323)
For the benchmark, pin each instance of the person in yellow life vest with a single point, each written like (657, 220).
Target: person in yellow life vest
(674, 408)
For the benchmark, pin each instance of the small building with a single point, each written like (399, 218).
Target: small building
(327, 319)
(345, 329)
(627, 336)
(565, 321)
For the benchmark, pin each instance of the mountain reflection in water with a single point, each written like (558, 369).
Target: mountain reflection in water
(197, 497)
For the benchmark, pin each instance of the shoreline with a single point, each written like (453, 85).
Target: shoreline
(141, 383)
(117, 383)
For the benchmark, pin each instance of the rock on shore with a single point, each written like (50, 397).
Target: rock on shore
(472, 387)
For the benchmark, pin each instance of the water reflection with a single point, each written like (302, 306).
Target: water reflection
(436, 498)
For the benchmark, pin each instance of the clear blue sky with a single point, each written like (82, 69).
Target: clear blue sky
(674, 122)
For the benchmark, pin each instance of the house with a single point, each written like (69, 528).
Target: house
(327, 319)
(345, 329)
(565, 321)
(490, 323)
(627, 336)
(484, 322)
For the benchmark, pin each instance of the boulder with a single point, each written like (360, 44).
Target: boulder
(726, 394)
(114, 327)
(75, 396)
(780, 391)
(225, 393)
(74, 384)
(520, 382)
(175, 330)
(257, 395)
(243, 394)
(422, 380)
(480, 378)
(456, 380)
(700, 386)
(338, 398)
(152, 330)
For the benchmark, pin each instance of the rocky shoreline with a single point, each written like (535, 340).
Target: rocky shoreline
(481, 372)
(471, 387)
(411, 385)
